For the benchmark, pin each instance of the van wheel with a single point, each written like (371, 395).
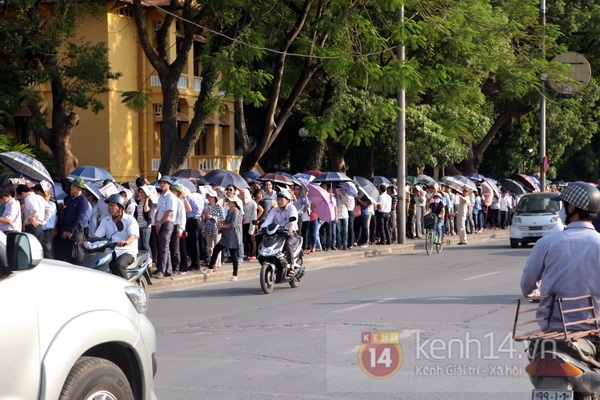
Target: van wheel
(514, 243)
(94, 378)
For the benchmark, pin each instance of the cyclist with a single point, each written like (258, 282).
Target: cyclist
(437, 207)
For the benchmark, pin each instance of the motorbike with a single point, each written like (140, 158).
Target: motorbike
(96, 258)
(563, 363)
(271, 256)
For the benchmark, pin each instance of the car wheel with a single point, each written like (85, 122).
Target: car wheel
(94, 378)
(514, 243)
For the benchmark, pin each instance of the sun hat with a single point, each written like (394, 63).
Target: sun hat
(237, 201)
(79, 182)
(436, 194)
(177, 187)
(166, 179)
(212, 193)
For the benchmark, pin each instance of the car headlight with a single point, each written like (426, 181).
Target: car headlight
(517, 220)
(137, 295)
(553, 219)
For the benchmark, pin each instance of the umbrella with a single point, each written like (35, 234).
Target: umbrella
(366, 188)
(412, 180)
(489, 191)
(460, 181)
(90, 173)
(188, 183)
(276, 177)
(476, 177)
(332, 177)
(221, 177)
(26, 165)
(93, 189)
(378, 180)
(350, 187)
(306, 177)
(559, 183)
(512, 186)
(250, 175)
(527, 183)
(426, 180)
(189, 173)
(292, 177)
(58, 192)
(321, 202)
(5, 178)
(534, 179)
(313, 172)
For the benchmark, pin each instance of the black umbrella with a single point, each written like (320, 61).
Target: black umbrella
(221, 177)
(426, 180)
(367, 188)
(332, 177)
(512, 186)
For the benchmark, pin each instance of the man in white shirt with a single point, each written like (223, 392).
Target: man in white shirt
(10, 221)
(123, 229)
(34, 211)
(384, 208)
(281, 216)
(165, 224)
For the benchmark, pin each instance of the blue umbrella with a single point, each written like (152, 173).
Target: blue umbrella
(26, 165)
(306, 177)
(476, 177)
(221, 177)
(251, 175)
(379, 180)
(90, 173)
(332, 177)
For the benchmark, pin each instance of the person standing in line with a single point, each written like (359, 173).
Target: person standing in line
(10, 221)
(143, 217)
(478, 212)
(391, 190)
(421, 202)
(342, 206)
(178, 248)
(384, 208)
(314, 239)
(212, 215)
(164, 225)
(192, 227)
(505, 204)
(461, 215)
(231, 236)
(250, 214)
(365, 218)
(34, 211)
(73, 223)
(49, 227)
(351, 217)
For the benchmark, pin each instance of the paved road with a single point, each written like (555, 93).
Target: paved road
(454, 312)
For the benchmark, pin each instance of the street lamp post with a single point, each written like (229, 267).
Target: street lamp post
(543, 162)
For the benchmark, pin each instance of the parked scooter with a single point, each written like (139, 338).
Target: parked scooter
(271, 256)
(95, 257)
(562, 364)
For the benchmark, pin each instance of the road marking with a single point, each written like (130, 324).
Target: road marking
(481, 276)
(356, 307)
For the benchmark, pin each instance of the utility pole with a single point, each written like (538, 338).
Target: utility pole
(543, 162)
(401, 131)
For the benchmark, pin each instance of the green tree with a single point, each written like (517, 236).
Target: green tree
(40, 47)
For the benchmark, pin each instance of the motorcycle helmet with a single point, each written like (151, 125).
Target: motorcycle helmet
(581, 195)
(284, 193)
(117, 199)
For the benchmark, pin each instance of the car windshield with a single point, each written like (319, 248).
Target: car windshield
(537, 205)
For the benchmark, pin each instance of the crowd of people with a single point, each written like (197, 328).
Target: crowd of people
(202, 228)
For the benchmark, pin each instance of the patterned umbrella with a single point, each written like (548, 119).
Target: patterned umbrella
(460, 181)
(527, 183)
(332, 177)
(277, 178)
(313, 172)
(223, 178)
(26, 165)
(90, 173)
(189, 173)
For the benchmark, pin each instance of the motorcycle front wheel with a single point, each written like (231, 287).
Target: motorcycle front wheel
(267, 278)
(142, 282)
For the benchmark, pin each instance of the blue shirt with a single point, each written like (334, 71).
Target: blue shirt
(568, 264)
(196, 201)
(52, 221)
(75, 213)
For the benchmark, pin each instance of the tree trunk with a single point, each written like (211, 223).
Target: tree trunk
(58, 139)
(315, 156)
(336, 153)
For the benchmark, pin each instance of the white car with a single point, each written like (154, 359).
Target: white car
(70, 333)
(535, 216)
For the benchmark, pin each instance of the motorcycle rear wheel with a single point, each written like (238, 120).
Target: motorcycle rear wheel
(267, 278)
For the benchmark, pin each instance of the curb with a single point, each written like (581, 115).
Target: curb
(315, 260)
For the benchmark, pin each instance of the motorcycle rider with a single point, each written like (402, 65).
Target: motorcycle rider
(281, 216)
(126, 237)
(567, 262)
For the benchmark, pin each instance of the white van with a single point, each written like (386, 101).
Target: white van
(535, 216)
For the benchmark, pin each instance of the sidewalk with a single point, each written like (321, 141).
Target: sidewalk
(194, 277)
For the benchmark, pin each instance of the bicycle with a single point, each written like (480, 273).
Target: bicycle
(431, 238)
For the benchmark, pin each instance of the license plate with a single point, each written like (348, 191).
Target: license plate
(538, 394)
(533, 234)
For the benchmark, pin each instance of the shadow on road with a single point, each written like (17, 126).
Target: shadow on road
(220, 292)
(438, 300)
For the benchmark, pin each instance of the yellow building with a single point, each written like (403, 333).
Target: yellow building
(127, 143)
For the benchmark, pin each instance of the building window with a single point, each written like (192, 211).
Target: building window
(200, 148)
(126, 12)
(158, 110)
